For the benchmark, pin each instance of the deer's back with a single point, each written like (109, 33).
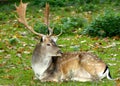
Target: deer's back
(74, 61)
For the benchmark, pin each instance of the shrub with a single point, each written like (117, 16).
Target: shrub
(67, 24)
(51, 2)
(90, 7)
(60, 3)
(41, 28)
(103, 26)
(75, 21)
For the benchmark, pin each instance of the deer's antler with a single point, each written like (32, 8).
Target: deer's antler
(21, 11)
(46, 14)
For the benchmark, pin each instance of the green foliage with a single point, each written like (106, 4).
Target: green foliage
(71, 24)
(13, 41)
(60, 3)
(90, 7)
(106, 25)
(3, 16)
(67, 24)
(41, 28)
(51, 2)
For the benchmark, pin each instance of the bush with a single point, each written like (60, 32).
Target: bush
(60, 3)
(90, 7)
(71, 24)
(51, 2)
(74, 22)
(106, 25)
(67, 24)
(41, 28)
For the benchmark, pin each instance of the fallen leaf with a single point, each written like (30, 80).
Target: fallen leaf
(114, 55)
(84, 41)
(27, 52)
(8, 77)
(106, 40)
(1, 51)
(24, 44)
(95, 38)
(20, 50)
(116, 37)
(17, 35)
(8, 56)
(3, 64)
(117, 82)
(7, 70)
(24, 33)
(111, 45)
(112, 64)
(0, 57)
(19, 55)
(27, 68)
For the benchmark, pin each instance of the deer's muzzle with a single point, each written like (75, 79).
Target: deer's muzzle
(59, 53)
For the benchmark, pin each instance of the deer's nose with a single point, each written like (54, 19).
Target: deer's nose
(59, 52)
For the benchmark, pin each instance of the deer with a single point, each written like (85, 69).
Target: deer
(49, 63)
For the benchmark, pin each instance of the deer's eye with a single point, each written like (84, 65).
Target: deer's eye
(48, 44)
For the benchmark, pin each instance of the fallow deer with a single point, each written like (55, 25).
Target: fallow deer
(49, 64)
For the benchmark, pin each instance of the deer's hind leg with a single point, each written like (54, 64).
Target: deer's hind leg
(81, 75)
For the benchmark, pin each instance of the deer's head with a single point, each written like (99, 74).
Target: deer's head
(49, 46)
(48, 42)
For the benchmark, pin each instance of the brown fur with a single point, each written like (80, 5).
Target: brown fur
(75, 64)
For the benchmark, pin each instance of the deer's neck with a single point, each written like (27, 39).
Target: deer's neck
(41, 66)
(45, 61)
(40, 62)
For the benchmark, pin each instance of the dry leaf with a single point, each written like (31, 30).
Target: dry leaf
(20, 50)
(1, 51)
(116, 37)
(112, 45)
(114, 55)
(8, 56)
(24, 44)
(112, 64)
(27, 52)
(117, 82)
(17, 35)
(3, 64)
(7, 70)
(84, 41)
(19, 55)
(27, 68)
(8, 77)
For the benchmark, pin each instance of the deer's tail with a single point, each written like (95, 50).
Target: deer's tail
(107, 73)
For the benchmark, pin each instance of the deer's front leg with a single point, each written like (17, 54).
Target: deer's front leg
(49, 79)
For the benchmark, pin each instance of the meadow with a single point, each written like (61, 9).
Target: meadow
(17, 44)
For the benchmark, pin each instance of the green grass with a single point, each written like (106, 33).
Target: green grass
(17, 44)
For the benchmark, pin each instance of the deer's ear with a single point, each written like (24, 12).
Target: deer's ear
(43, 38)
(54, 38)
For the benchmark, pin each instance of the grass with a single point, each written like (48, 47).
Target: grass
(17, 44)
